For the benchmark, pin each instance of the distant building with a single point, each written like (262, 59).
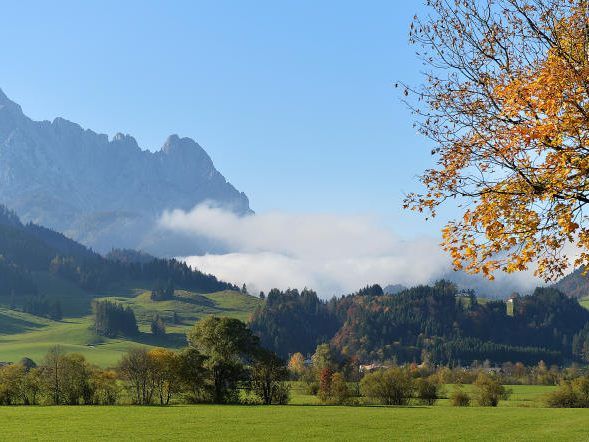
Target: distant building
(371, 367)
(512, 302)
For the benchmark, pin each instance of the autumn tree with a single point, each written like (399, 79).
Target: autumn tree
(165, 371)
(339, 390)
(105, 387)
(64, 378)
(323, 357)
(19, 385)
(427, 390)
(505, 103)
(296, 365)
(325, 384)
(11, 381)
(75, 380)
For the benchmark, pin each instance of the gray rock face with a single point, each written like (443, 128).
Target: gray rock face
(105, 193)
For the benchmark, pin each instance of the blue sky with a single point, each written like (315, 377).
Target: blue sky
(294, 101)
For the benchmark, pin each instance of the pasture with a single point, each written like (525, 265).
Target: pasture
(23, 334)
(238, 423)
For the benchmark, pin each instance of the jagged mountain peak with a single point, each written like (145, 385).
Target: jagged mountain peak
(9, 105)
(126, 141)
(105, 193)
(174, 144)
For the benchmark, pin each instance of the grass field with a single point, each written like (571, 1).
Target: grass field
(523, 417)
(232, 423)
(22, 334)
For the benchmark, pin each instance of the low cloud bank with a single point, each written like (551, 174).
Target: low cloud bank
(332, 254)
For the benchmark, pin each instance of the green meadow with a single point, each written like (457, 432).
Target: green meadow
(233, 423)
(522, 417)
(22, 334)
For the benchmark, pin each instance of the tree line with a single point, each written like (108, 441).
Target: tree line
(26, 249)
(345, 382)
(112, 319)
(434, 323)
(223, 363)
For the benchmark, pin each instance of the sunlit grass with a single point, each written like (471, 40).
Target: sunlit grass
(239, 423)
(22, 334)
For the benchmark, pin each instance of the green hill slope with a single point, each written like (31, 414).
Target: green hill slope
(45, 273)
(22, 334)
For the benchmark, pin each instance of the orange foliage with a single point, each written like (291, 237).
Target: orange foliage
(507, 106)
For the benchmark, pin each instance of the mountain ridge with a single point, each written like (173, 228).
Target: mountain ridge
(105, 192)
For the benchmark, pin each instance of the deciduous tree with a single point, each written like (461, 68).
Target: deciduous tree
(505, 102)
(228, 344)
(136, 367)
(268, 378)
(393, 386)
(296, 365)
(166, 378)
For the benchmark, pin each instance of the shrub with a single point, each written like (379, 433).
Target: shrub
(312, 388)
(489, 391)
(571, 394)
(459, 398)
(427, 390)
(11, 379)
(281, 394)
(105, 387)
(389, 387)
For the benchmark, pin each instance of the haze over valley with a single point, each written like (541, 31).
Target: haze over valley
(109, 193)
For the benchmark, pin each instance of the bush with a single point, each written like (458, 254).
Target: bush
(389, 387)
(281, 394)
(340, 393)
(571, 394)
(105, 388)
(489, 391)
(427, 390)
(312, 388)
(459, 398)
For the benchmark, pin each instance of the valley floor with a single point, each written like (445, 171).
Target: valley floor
(240, 423)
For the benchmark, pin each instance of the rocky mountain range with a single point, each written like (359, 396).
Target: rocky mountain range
(105, 192)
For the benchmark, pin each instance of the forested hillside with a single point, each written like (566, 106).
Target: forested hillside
(434, 323)
(28, 249)
(575, 284)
